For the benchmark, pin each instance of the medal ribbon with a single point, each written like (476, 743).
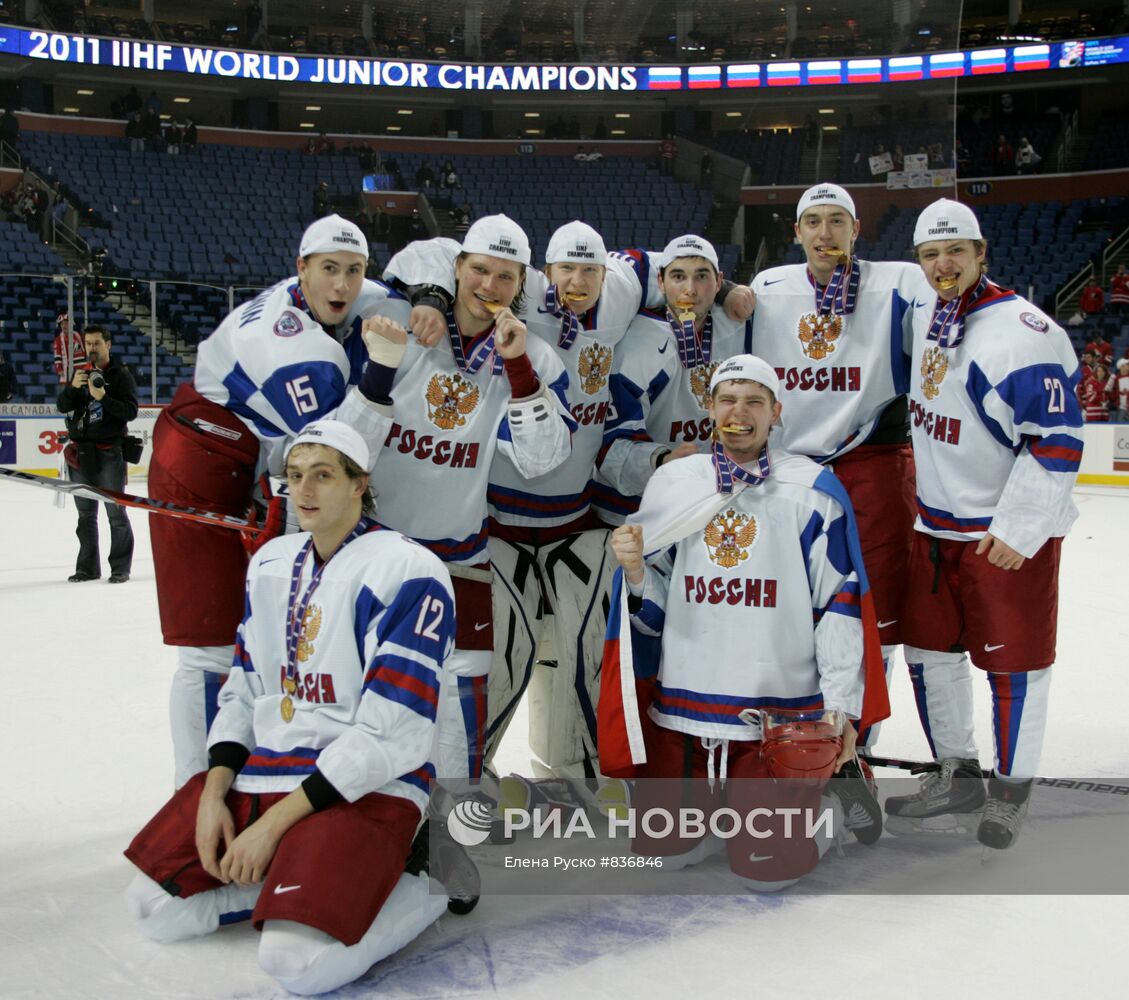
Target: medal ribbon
(690, 352)
(840, 294)
(947, 325)
(478, 355)
(296, 615)
(726, 471)
(570, 325)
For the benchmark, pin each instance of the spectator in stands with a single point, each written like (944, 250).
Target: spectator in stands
(100, 401)
(321, 200)
(1089, 359)
(1026, 159)
(1092, 394)
(172, 138)
(1092, 300)
(425, 177)
(66, 360)
(381, 225)
(9, 128)
(190, 136)
(1119, 292)
(1003, 156)
(450, 177)
(8, 383)
(1118, 390)
(1101, 349)
(668, 148)
(462, 217)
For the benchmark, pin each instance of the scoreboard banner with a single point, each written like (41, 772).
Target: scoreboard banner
(202, 60)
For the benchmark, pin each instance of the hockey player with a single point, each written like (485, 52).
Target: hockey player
(836, 329)
(997, 442)
(660, 382)
(276, 363)
(484, 392)
(321, 753)
(753, 582)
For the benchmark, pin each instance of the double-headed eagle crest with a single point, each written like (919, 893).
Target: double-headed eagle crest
(311, 626)
(934, 367)
(593, 365)
(700, 383)
(818, 334)
(728, 537)
(450, 400)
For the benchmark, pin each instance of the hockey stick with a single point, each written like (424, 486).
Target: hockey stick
(101, 495)
(1071, 783)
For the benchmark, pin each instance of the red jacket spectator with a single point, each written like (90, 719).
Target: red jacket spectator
(1092, 395)
(1101, 348)
(64, 367)
(1119, 291)
(1092, 301)
(1118, 389)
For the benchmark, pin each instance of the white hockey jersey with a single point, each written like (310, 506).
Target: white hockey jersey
(838, 373)
(735, 601)
(997, 431)
(657, 400)
(273, 365)
(370, 668)
(449, 424)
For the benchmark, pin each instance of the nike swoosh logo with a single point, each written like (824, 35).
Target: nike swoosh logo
(917, 305)
(760, 857)
(481, 625)
(992, 649)
(265, 561)
(280, 889)
(662, 350)
(892, 621)
(775, 281)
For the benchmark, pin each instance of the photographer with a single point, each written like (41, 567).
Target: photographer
(100, 401)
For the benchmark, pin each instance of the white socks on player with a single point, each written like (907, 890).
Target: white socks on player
(166, 918)
(305, 960)
(942, 685)
(195, 687)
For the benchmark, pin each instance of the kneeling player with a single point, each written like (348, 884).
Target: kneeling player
(747, 546)
(320, 754)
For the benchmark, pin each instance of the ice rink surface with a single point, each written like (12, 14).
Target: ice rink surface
(89, 760)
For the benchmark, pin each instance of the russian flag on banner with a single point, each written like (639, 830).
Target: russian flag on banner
(1031, 57)
(989, 61)
(906, 68)
(825, 72)
(784, 74)
(946, 64)
(864, 71)
(705, 77)
(664, 78)
(743, 75)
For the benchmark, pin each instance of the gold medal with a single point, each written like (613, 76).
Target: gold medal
(946, 283)
(685, 311)
(286, 709)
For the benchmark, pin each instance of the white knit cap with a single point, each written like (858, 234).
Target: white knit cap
(498, 236)
(748, 367)
(333, 434)
(825, 194)
(946, 219)
(576, 243)
(688, 246)
(333, 234)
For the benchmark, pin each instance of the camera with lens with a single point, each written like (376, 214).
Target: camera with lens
(97, 380)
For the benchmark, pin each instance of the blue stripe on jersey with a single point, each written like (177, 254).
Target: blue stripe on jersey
(847, 602)
(899, 360)
(749, 335)
(978, 385)
(838, 548)
(235, 917)
(917, 678)
(212, 683)
(457, 549)
(942, 520)
(404, 682)
(722, 709)
(533, 505)
(652, 615)
(267, 763)
(304, 392)
(559, 388)
(421, 618)
(1032, 392)
(240, 388)
(420, 778)
(355, 351)
(812, 530)
(1009, 694)
(606, 498)
(1056, 452)
(365, 609)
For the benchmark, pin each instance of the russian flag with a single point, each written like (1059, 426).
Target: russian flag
(989, 61)
(946, 64)
(664, 78)
(825, 72)
(784, 74)
(705, 77)
(864, 71)
(1031, 57)
(906, 68)
(743, 75)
